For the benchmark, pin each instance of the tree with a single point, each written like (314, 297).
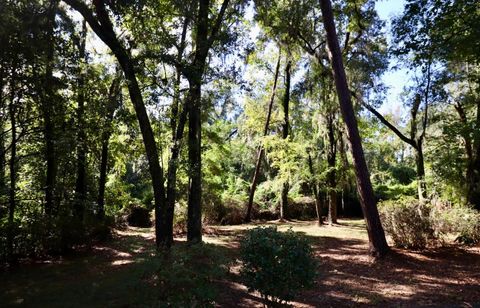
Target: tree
(261, 150)
(378, 243)
(102, 26)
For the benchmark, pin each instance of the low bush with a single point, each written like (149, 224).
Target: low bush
(460, 221)
(408, 222)
(277, 264)
(412, 224)
(137, 216)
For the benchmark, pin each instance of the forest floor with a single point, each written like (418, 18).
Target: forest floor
(126, 272)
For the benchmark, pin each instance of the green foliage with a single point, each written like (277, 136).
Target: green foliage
(186, 277)
(277, 264)
(395, 191)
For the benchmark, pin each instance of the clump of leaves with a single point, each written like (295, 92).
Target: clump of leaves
(277, 264)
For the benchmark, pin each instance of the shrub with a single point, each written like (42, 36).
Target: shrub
(461, 221)
(408, 222)
(276, 264)
(137, 216)
(412, 224)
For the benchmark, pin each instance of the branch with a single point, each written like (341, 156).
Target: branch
(218, 24)
(385, 121)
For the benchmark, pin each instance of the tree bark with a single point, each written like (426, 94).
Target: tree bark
(194, 74)
(332, 173)
(13, 173)
(48, 112)
(285, 133)
(80, 184)
(376, 235)
(261, 150)
(103, 27)
(3, 184)
(318, 204)
(113, 102)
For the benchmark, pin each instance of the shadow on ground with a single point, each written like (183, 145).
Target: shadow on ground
(127, 272)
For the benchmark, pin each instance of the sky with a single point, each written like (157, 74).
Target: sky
(394, 79)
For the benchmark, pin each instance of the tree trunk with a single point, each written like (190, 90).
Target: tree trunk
(113, 102)
(261, 151)
(13, 176)
(103, 27)
(177, 135)
(285, 133)
(332, 174)
(376, 235)
(48, 112)
(194, 232)
(81, 185)
(318, 204)
(473, 171)
(3, 184)
(420, 163)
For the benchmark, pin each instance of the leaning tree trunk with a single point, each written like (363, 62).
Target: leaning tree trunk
(261, 150)
(376, 235)
(103, 27)
(285, 133)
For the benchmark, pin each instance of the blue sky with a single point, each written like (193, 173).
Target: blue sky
(395, 80)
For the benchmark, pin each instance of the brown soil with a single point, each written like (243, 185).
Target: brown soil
(436, 277)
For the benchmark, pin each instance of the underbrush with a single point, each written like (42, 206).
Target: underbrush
(277, 264)
(414, 224)
(188, 276)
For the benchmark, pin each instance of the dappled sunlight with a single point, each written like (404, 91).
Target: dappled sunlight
(347, 275)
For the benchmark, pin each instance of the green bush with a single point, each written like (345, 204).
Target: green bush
(408, 222)
(277, 264)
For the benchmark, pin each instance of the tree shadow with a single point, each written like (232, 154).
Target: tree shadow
(128, 272)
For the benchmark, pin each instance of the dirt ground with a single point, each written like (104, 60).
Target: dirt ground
(106, 275)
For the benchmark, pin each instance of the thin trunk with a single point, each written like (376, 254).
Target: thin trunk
(48, 112)
(113, 102)
(177, 124)
(332, 174)
(285, 133)
(376, 235)
(261, 151)
(177, 135)
(81, 185)
(3, 184)
(318, 205)
(13, 176)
